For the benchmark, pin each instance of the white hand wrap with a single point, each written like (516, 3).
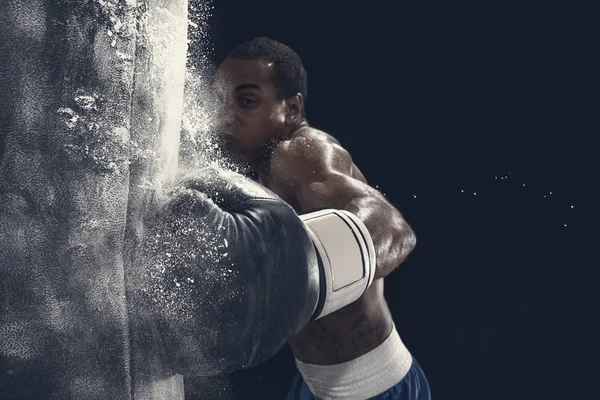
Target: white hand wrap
(347, 257)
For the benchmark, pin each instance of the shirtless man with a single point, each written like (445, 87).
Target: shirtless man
(355, 352)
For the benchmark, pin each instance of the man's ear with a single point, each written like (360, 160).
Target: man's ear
(294, 106)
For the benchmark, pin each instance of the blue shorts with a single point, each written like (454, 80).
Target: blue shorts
(413, 386)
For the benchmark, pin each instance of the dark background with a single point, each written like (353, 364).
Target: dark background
(479, 121)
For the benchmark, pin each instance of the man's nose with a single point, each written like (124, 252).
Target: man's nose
(224, 116)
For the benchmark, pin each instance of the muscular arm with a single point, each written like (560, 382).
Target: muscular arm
(318, 174)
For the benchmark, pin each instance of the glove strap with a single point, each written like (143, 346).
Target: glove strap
(346, 257)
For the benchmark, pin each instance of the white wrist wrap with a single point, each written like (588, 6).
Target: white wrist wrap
(347, 256)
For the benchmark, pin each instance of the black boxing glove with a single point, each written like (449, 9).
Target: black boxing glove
(228, 274)
(230, 271)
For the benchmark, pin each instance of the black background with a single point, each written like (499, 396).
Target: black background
(479, 121)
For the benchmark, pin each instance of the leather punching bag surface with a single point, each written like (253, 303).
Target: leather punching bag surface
(90, 104)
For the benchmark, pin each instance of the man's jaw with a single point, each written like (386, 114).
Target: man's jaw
(246, 162)
(237, 160)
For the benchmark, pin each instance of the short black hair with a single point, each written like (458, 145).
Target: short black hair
(288, 71)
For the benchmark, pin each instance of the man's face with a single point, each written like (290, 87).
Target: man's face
(250, 114)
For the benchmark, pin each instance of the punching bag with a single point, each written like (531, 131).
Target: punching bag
(91, 94)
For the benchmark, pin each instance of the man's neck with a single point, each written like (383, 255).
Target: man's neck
(302, 124)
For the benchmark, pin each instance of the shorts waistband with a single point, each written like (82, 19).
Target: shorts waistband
(364, 377)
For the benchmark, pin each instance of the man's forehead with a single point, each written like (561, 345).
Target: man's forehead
(232, 73)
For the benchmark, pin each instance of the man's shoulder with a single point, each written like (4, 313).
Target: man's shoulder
(309, 151)
(308, 133)
(315, 147)
(306, 148)
(307, 144)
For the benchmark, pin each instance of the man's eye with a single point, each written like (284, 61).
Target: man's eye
(248, 102)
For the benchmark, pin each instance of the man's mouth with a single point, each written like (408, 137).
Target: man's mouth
(227, 136)
(229, 139)
(232, 144)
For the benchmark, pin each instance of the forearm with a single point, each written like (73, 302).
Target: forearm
(392, 237)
